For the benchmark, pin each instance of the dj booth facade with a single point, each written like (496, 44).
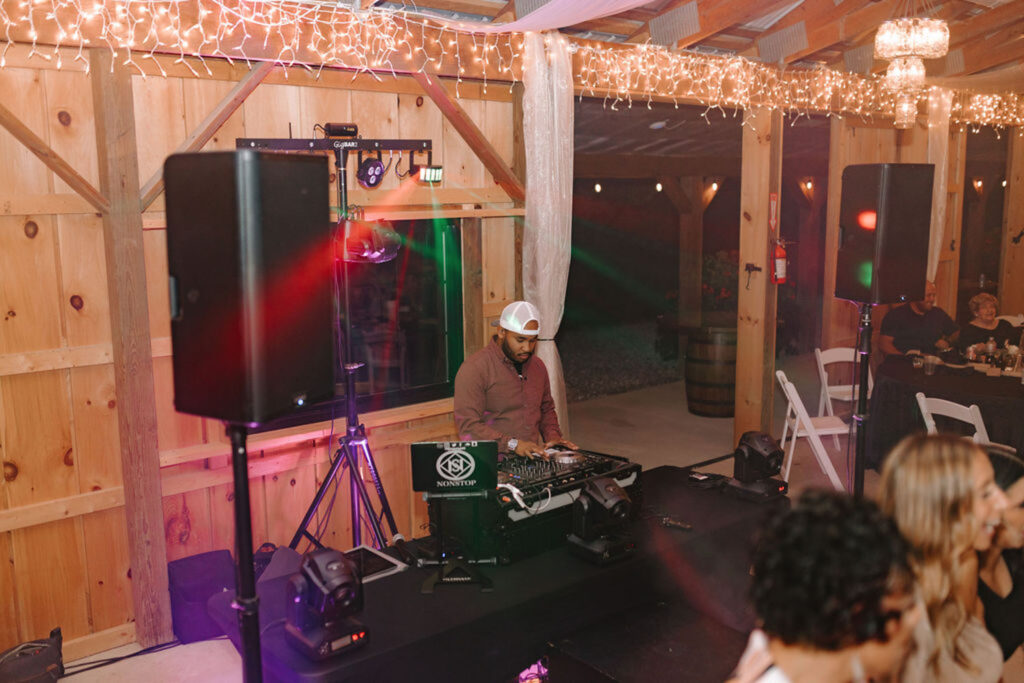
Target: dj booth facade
(459, 633)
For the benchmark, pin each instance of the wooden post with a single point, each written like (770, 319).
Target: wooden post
(691, 252)
(519, 169)
(1011, 278)
(472, 287)
(755, 348)
(133, 363)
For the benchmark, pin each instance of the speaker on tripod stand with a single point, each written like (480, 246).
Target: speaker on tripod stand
(250, 256)
(884, 228)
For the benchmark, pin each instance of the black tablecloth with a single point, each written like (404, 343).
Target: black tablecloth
(459, 633)
(893, 412)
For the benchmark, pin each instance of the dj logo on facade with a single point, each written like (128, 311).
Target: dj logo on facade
(455, 467)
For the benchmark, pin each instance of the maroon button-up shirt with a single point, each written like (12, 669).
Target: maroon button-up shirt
(494, 402)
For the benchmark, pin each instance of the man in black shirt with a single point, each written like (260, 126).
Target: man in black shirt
(919, 325)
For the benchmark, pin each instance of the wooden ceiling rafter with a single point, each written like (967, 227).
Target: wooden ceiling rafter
(474, 137)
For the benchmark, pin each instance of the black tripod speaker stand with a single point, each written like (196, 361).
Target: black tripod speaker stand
(861, 416)
(353, 450)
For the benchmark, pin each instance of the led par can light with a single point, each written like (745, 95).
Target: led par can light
(370, 172)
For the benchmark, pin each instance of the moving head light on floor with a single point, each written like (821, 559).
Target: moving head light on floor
(322, 598)
(756, 460)
(600, 522)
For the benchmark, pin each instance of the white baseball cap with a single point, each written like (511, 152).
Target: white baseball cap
(517, 315)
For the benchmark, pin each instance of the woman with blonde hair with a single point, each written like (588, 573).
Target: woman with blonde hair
(941, 492)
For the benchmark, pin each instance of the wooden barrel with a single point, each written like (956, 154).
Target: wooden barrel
(711, 371)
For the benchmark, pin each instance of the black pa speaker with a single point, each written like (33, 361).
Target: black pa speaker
(250, 257)
(884, 223)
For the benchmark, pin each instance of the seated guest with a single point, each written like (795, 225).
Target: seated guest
(834, 595)
(1001, 587)
(985, 307)
(917, 326)
(940, 490)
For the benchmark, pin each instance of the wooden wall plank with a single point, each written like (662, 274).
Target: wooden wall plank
(160, 120)
(29, 284)
(9, 634)
(52, 587)
(71, 129)
(289, 494)
(462, 167)
(83, 279)
(37, 438)
(108, 566)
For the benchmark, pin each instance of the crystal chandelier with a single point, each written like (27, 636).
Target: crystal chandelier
(906, 41)
(905, 74)
(912, 37)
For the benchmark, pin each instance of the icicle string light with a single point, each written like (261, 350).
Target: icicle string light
(383, 41)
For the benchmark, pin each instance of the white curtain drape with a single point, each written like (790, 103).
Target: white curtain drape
(940, 102)
(547, 234)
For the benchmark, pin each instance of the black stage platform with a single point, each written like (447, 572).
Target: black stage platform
(689, 585)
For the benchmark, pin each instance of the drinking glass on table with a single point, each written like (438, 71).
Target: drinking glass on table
(930, 363)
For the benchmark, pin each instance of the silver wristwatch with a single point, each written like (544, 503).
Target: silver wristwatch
(513, 444)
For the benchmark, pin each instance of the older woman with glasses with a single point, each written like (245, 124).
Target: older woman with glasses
(984, 325)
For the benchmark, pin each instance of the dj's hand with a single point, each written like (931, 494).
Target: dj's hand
(562, 442)
(528, 449)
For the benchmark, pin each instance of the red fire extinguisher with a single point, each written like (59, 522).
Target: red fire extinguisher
(777, 256)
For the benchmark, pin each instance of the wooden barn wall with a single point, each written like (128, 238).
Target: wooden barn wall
(63, 544)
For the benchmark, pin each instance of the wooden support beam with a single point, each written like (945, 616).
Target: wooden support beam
(117, 153)
(982, 24)
(53, 161)
(673, 189)
(648, 166)
(209, 126)
(1011, 278)
(714, 16)
(472, 287)
(690, 205)
(1006, 46)
(755, 349)
(473, 136)
(506, 13)
(519, 168)
(827, 32)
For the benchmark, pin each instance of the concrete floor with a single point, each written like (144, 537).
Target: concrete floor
(650, 426)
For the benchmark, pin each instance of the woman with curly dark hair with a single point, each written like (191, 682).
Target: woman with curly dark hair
(941, 492)
(834, 595)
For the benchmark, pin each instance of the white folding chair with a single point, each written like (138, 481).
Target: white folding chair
(837, 392)
(930, 407)
(800, 424)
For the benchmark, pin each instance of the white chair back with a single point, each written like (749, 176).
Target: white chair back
(805, 425)
(936, 406)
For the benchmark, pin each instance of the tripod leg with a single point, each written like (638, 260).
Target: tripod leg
(339, 460)
(378, 485)
(362, 497)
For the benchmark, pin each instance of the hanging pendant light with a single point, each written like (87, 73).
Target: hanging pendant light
(912, 37)
(905, 73)
(905, 110)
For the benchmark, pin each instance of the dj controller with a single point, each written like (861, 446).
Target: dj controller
(531, 510)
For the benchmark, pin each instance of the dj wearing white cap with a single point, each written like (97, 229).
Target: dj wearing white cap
(502, 392)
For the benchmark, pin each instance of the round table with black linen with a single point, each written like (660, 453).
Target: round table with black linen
(893, 411)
